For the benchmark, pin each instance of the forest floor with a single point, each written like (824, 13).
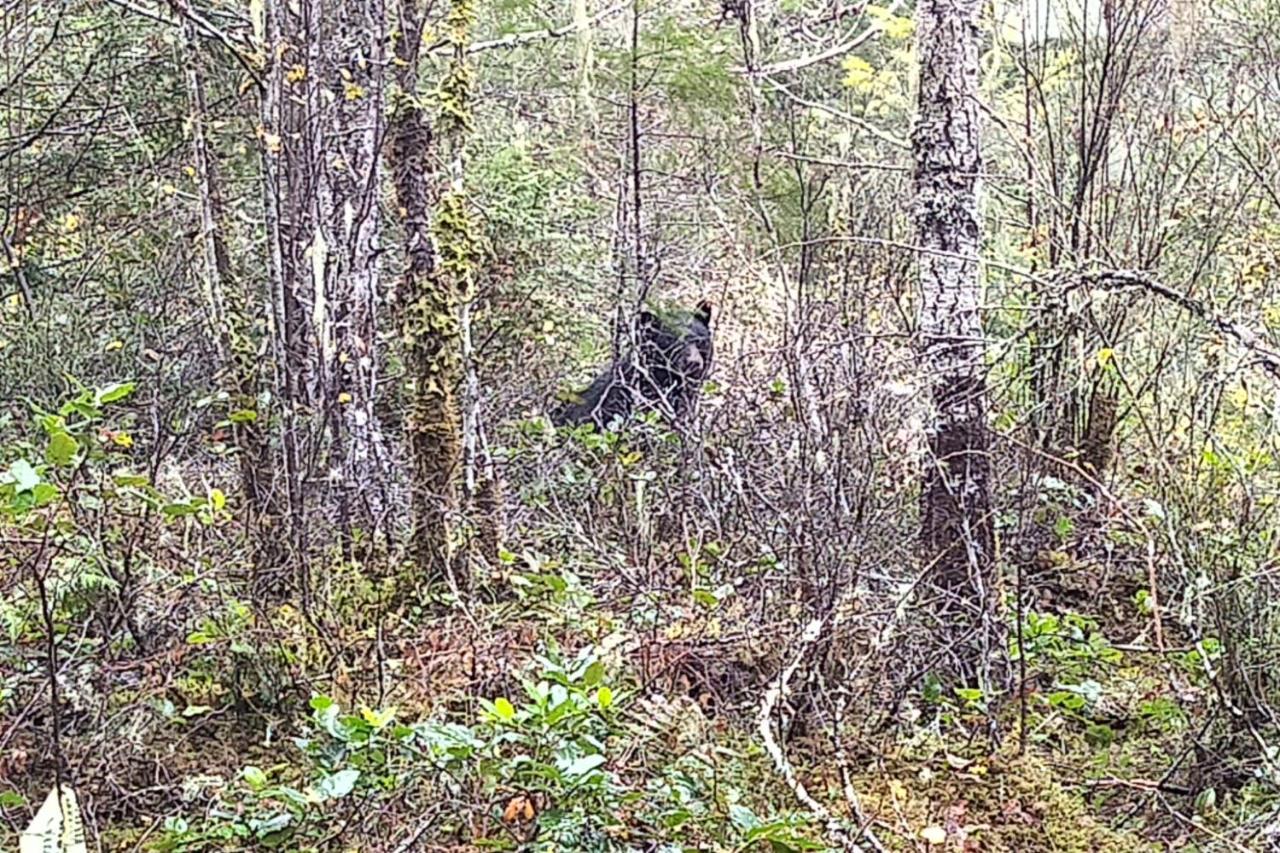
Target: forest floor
(557, 712)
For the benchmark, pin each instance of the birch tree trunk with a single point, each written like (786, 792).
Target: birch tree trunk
(956, 523)
(355, 59)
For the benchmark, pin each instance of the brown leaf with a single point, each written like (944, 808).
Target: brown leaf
(519, 809)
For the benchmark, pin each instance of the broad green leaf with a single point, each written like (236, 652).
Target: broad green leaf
(504, 710)
(584, 765)
(44, 494)
(337, 785)
(378, 719)
(62, 449)
(594, 674)
(604, 698)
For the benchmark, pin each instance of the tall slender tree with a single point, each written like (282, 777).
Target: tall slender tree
(230, 320)
(436, 254)
(956, 523)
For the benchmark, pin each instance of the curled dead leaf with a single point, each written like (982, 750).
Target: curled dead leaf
(519, 810)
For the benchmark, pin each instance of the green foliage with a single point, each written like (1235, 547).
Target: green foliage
(548, 765)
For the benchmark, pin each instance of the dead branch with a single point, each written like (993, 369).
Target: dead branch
(1268, 358)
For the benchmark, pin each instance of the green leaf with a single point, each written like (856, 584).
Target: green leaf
(706, 598)
(244, 416)
(743, 817)
(44, 494)
(217, 499)
(195, 710)
(115, 392)
(584, 765)
(337, 785)
(254, 777)
(11, 800)
(594, 674)
(272, 831)
(604, 698)
(62, 449)
(504, 710)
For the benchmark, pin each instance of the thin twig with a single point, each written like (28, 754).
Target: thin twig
(835, 827)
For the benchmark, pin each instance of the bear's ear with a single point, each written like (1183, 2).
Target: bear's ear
(704, 312)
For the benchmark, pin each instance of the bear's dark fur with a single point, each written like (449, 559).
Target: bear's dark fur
(666, 372)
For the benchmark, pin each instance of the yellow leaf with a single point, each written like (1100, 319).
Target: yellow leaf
(189, 171)
(217, 499)
(1105, 356)
(114, 345)
(296, 74)
(123, 439)
(858, 72)
(1239, 396)
(894, 26)
(344, 398)
(378, 719)
(934, 835)
(168, 189)
(70, 223)
(352, 91)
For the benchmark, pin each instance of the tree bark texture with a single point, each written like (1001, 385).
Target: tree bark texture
(284, 170)
(429, 322)
(354, 59)
(956, 525)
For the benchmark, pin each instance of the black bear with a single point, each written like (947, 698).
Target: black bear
(665, 373)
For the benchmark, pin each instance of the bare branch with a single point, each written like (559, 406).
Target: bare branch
(1268, 358)
(529, 36)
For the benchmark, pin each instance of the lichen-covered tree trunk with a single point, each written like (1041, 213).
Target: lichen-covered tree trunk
(956, 524)
(429, 319)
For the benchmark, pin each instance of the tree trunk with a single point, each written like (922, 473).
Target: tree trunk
(354, 57)
(230, 327)
(285, 216)
(956, 524)
(429, 320)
